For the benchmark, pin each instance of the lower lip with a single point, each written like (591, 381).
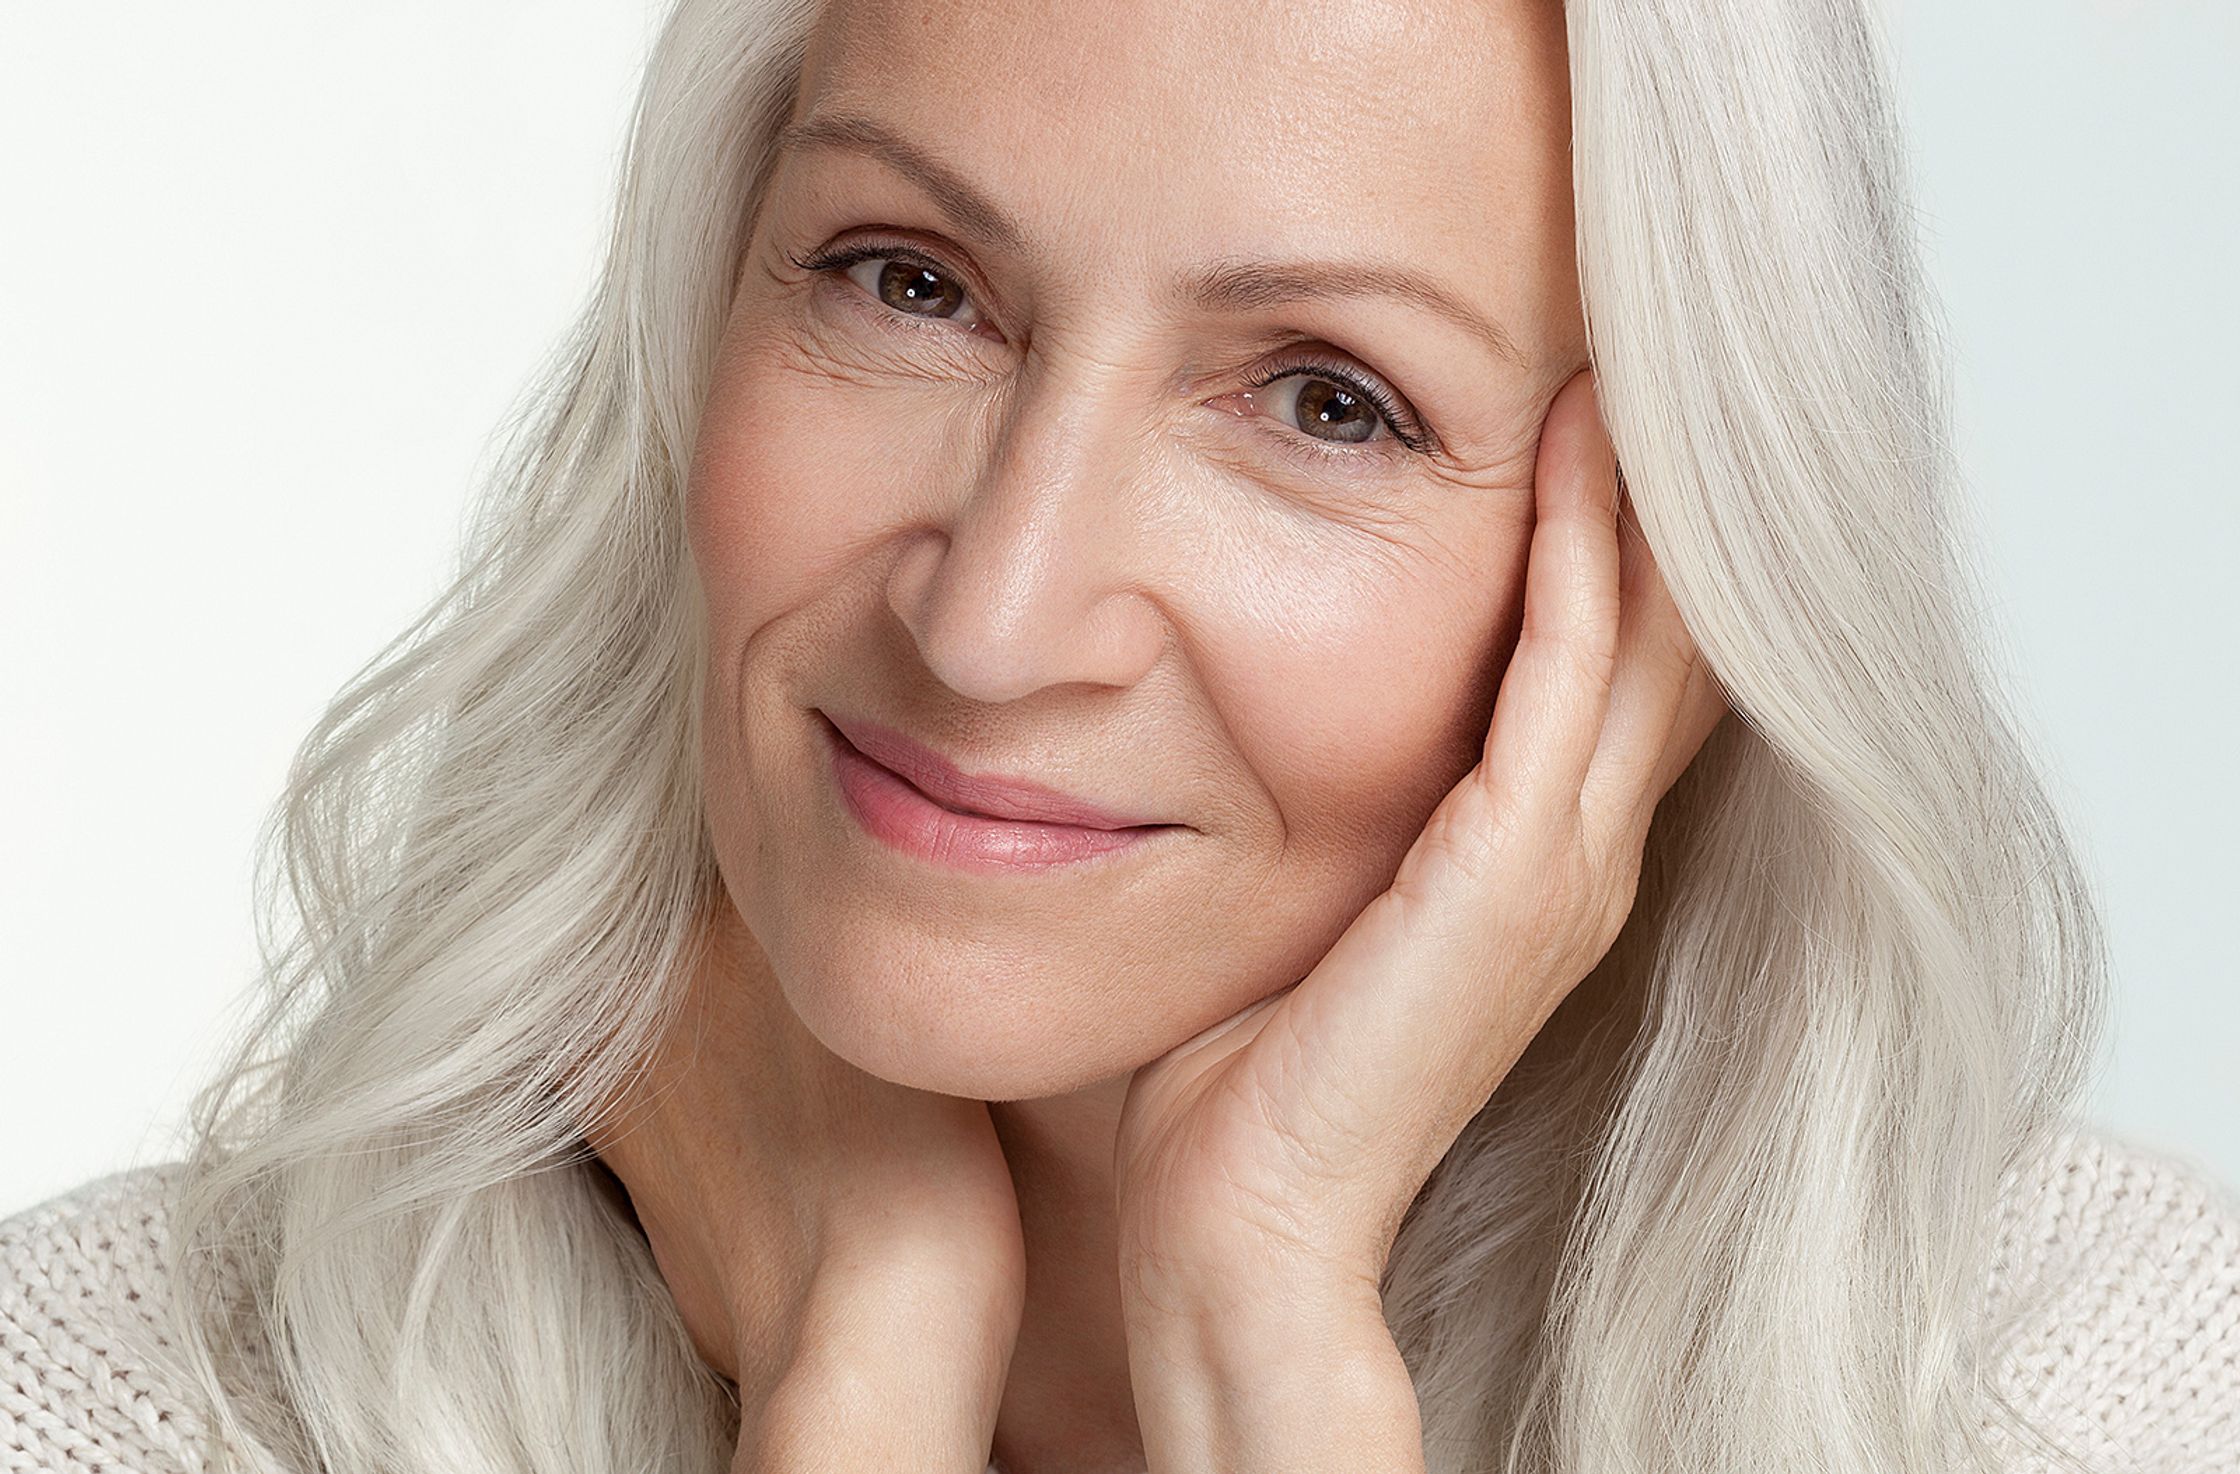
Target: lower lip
(892, 810)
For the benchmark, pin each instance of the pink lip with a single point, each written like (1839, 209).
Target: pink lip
(891, 808)
(984, 794)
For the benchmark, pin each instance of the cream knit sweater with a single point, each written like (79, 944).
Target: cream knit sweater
(2118, 1269)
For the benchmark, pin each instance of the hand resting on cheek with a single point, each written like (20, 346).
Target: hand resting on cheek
(1266, 1164)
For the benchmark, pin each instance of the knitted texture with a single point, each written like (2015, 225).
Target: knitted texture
(2118, 1272)
(2116, 1292)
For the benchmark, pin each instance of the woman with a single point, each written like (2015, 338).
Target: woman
(1029, 832)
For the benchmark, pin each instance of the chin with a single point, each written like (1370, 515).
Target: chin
(1000, 1032)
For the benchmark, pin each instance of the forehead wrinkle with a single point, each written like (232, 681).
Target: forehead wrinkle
(1232, 283)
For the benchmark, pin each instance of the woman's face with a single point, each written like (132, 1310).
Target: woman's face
(1076, 474)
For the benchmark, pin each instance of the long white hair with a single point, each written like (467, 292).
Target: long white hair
(1728, 1213)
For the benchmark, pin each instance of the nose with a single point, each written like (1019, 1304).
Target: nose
(1044, 569)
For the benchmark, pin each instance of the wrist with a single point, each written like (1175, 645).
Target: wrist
(893, 1365)
(1244, 1374)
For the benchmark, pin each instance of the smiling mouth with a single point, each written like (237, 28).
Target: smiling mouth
(989, 798)
(894, 809)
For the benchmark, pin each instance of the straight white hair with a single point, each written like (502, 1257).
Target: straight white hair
(1729, 1211)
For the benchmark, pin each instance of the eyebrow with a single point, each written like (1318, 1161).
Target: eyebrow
(1230, 283)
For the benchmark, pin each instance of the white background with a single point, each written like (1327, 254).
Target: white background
(272, 273)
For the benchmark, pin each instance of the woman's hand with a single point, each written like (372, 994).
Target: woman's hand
(1265, 1164)
(854, 1262)
(902, 1337)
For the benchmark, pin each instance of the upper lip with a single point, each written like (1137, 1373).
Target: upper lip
(991, 795)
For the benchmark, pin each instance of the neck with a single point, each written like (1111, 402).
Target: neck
(722, 1210)
(1067, 1403)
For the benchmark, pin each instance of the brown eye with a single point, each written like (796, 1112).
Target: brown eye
(908, 287)
(1325, 401)
(1325, 406)
(898, 277)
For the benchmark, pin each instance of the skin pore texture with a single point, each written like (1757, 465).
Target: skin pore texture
(1006, 485)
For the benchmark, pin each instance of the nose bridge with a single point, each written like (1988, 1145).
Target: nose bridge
(1044, 575)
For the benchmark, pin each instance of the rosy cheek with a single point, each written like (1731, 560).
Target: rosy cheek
(1362, 712)
(776, 495)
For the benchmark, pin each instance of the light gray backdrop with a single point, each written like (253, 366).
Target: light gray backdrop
(273, 272)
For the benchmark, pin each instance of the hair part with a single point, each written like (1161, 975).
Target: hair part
(1728, 1210)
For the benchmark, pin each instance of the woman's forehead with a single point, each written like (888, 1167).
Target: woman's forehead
(1315, 94)
(1428, 134)
(1398, 63)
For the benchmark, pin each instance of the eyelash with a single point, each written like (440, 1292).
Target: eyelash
(1406, 428)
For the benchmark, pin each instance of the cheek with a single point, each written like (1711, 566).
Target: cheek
(1370, 700)
(780, 491)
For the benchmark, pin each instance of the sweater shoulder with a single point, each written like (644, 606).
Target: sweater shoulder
(2115, 1304)
(84, 1297)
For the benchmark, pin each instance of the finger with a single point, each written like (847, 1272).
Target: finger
(1701, 708)
(1663, 701)
(1554, 694)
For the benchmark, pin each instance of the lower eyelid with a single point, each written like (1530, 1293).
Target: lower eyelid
(1378, 460)
(836, 280)
(1361, 458)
